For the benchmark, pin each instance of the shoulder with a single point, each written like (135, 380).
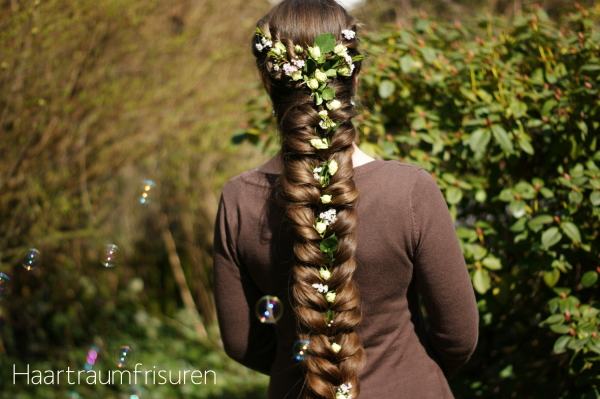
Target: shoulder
(394, 173)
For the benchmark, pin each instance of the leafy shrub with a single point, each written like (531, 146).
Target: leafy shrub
(506, 117)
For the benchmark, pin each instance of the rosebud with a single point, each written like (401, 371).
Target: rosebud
(326, 199)
(319, 144)
(297, 75)
(323, 114)
(334, 104)
(279, 48)
(333, 167)
(336, 347)
(344, 71)
(298, 49)
(325, 274)
(340, 50)
(320, 75)
(320, 227)
(315, 52)
(313, 83)
(330, 296)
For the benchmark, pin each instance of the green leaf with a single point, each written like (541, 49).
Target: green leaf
(561, 290)
(479, 140)
(517, 208)
(554, 319)
(480, 195)
(518, 108)
(526, 146)
(518, 226)
(551, 277)
(538, 222)
(571, 231)
(560, 328)
(561, 344)
(506, 195)
(582, 126)
(551, 237)
(453, 195)
(502, 138)
(546, 192)
(576, 344)
(329, 244)
(481, 280)
(328, 94)
(326, 42)
(492, 263)
(589, 278)
(418, 123)
(406, 63)
(386, 88)
(575, 197)
(595, 198)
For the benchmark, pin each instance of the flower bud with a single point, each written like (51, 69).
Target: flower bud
(340, 50)
(320, 75)
(323, 114)
(336, 347)
(320, 227)
(325, 274)
(315, 52)
(333, 167)
(344, 71)
(298, 49)
(319, 144)
(297, 75)
(326, 199)
(330, 296)
(279, 48)
(334, 104)
(313, 84)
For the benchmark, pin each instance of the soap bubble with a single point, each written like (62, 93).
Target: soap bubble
(31, 259)
(269, 309)
(5, 286)
(110, 255)
(72, 395)
(300, 349)
(148, 192)
(91, 357)
(124, 356)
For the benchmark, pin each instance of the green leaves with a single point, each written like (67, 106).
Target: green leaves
(502, 138)
(481, 280)
(551, 237)
(328, 246)
(571, 231)
(386, 88)
(326, 42)
(551, 277)
(589, 278)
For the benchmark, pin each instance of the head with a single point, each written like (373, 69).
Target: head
(312, 98)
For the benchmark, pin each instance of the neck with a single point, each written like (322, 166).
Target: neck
(359, 157)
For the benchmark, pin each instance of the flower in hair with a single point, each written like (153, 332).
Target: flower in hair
(319, 144)
(320, 76)
(324, 273)
(320, 288)
(298, 62)
(348, 34)
(298, 49)
(330, 216)
(313, 83)
(259, 46)
(315, 52)
(279, 49)
(340, 50)
(326, 198)
(336, 347)
(343, 391)
(330, 296)
(334, 104)
(297, 75)
(276, 68)
(332, 167)
(320, 227)
(288, 69)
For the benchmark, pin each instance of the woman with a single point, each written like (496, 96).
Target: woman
(347, 243)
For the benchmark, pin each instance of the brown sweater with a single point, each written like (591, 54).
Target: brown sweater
(407, 246)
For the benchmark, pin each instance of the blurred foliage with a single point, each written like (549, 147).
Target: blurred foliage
(95, 97)
(506, 116)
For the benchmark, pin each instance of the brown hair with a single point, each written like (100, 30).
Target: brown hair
(299, 22)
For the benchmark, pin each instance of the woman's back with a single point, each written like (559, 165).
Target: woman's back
(406, 245)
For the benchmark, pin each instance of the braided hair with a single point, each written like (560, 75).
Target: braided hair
(316, 186)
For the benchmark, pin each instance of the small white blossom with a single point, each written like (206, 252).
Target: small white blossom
(263, 41)
(298, 49)
(321, 288)
(320, 75)
(329, 216)
(333, 167)
(330, 296)
(315, 52)
(326, 124)
(316, 172)
(276, 68)
(320, 227)
(340, 50)
(298, 62)
(259, 46)
(297, 75)
(334, 104)
(344, 71)
(289, 69)
(323, 114)
(279, 49)
(324, 273)
(348, 34)
(336, 347)
(268, 44)
(326, 199)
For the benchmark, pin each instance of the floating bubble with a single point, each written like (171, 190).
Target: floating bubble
(124, 356)
(148, 192)
(31, 259)
(269, 309)
(136, 392)
(300, 349)
(5, 286)
(72, 395)
(110, 255)
(91, 357)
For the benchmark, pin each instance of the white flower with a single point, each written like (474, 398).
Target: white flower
(320, 227)
(333, 167)
(289, 69)
(315, 52)
(298, 49)
(279, 49)
(259, 46)
(340, 50)
(320, 75)
(276, 68)
(320, 288)
(340, 395)
(330, 296)
(348, 34)
(334, 104)
(344, 71)
(336, 347)
(326, 124)
(319, 144)
(316, 172)
(268, 44)
(296, 75)
(323, 114)
(329, 216)
(263, 41)
(298, 62)
(326, 199)
(324, 273)
(313, 83)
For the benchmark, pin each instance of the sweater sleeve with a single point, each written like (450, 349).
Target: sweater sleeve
(245, 338)
(442, 277)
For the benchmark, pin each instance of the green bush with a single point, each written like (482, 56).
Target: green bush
(506, 117)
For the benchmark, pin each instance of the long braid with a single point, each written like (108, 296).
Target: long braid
(326, 317)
